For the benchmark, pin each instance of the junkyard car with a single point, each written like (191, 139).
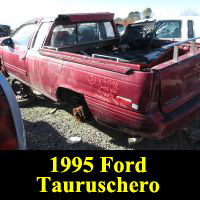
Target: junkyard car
(175, 28)
(12, 135)
(132, 84)
(4, 30)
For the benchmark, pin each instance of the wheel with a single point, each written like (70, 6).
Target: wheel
(24, 94)
(20, 88)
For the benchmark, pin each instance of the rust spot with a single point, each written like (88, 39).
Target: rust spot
(78, 112)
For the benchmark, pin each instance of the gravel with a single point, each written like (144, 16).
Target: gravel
(47, 129)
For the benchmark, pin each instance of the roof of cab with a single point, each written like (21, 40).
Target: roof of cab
(85, 17)
(77, 17)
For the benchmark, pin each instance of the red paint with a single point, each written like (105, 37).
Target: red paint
(8, 138)
(102, 83)
(89, 17)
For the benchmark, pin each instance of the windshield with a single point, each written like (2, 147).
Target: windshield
(168, 29)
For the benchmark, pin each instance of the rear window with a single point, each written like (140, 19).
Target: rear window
(63, 35)
(168, 29)
(81, 33)
(88, 32)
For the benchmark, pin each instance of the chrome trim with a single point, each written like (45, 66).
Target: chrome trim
(14, 107)
(104, 56)
(176, 49)
(179, 43)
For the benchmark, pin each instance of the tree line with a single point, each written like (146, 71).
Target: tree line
(134, 16)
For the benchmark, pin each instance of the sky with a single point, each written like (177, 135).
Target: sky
(15, 12)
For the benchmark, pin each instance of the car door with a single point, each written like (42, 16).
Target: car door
(42, 71)
(14, 56)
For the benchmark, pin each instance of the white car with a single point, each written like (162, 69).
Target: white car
(176, 28)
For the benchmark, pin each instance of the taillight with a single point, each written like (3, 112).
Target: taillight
(8, 136)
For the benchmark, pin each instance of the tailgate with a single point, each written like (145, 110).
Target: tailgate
(179, 81)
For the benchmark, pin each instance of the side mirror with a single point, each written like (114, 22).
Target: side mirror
(7, 42)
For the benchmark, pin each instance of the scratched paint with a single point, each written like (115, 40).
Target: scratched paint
(107, 90)
(91, 79)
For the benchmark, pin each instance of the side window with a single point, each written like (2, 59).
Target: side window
(109, 30)
(190, 29)
(43, 30)
(80, 33)
(92, 32)
(23, 35)
(63, 35)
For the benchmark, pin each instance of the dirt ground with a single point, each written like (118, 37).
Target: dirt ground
(46, 129)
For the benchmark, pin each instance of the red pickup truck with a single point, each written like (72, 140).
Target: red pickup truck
(136, 85)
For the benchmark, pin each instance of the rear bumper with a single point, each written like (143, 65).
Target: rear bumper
(151, 125)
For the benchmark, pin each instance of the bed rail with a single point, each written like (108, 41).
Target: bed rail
(176, 45)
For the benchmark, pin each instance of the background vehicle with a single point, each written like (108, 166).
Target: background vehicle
(12, 134)
(176, 28)
(4, 30)
(133, 84)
